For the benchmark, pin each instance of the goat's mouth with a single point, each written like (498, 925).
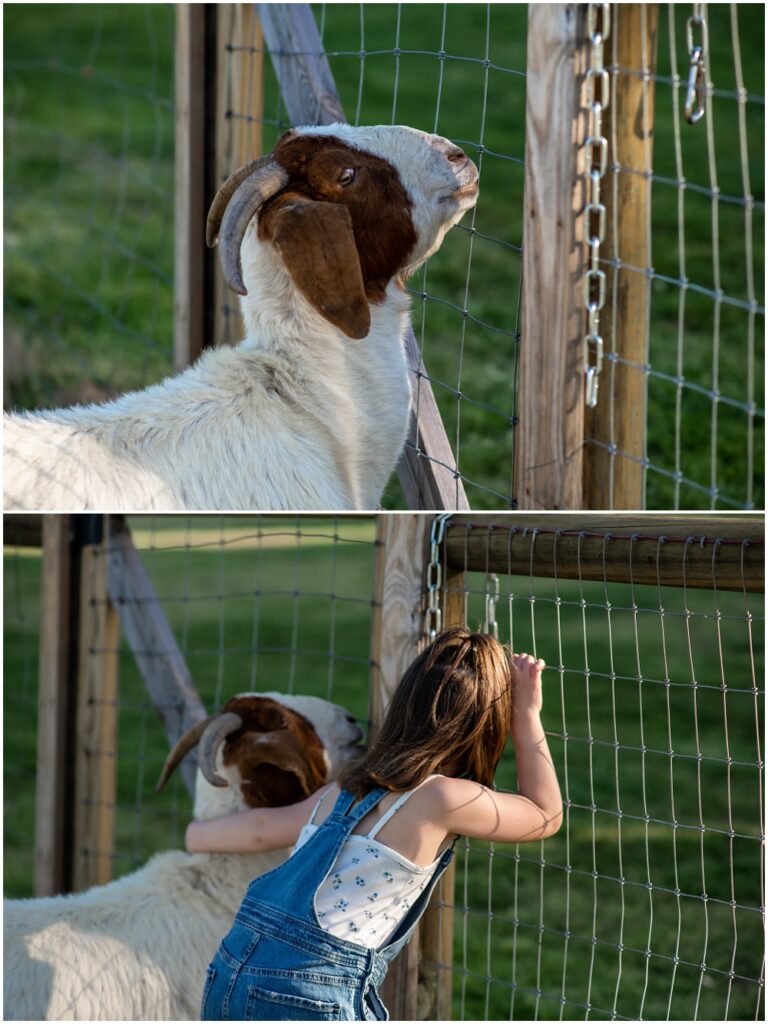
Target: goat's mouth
(469, 191)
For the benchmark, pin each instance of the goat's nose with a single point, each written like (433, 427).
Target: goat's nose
(455, 155)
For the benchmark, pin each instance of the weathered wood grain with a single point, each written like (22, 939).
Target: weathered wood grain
(619, 419)
(436, 926)
(237, 136)
(96, 725)
(397, 633)
(702, 551)
(54, 696)
(189, 190)
(550, 430)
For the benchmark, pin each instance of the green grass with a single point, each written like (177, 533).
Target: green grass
(89, 200)
(89, 189)
(260, 615)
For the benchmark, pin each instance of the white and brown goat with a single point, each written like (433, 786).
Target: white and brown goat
(138, 948)
(311, 410)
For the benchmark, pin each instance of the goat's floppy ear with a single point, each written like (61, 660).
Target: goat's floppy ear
(275, 771)
(317, 243)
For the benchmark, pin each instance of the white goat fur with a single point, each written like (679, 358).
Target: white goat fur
(298, 416)
(138, 948)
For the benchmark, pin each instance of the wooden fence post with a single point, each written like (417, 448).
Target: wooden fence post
(189, 312)
(96, 720)
(53, 783)
(419, 983)
(614, 476)
(550, 430)
(235, 137)
(397, 632)
(436, 978)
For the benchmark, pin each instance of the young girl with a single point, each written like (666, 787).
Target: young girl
(313, 938)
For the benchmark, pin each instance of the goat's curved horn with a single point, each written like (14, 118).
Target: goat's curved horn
(214, 735)
(225, 193)
(180, 749)
(249, 195)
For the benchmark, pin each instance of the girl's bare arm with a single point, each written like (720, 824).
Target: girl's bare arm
(536, 810)
(254, 831)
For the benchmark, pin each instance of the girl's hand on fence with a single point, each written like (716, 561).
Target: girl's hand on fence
(526, 684)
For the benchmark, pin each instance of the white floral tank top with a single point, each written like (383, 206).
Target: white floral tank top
(371, 887)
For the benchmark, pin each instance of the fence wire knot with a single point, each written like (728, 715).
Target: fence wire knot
(596, 162)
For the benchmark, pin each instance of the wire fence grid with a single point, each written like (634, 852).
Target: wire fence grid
(704, 367)
(89, 137)
(254, 604)
(649, 902)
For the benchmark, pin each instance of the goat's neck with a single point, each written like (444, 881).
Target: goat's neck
(366, 383)
(276, 315)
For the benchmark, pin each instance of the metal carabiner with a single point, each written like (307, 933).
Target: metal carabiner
(694, 96)
(592, 371)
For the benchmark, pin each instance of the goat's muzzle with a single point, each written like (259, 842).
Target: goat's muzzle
(234, 206)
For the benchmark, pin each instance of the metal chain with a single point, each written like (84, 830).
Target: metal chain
(694, 96)
(598, 97)
(433, 616)
(491, 598)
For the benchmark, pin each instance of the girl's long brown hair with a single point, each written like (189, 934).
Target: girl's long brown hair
(452, 713)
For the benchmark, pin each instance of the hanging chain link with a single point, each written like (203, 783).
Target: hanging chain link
(598, 97)
(491, 598)
(433, 616)
(697, 72)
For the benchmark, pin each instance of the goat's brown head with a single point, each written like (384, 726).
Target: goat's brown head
(265, 751)
(348, 209)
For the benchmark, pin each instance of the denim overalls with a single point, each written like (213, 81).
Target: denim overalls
(277, 963)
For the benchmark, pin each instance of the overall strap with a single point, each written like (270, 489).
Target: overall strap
(358, 812)
(291, 887)
(396, 807)
(344, 802)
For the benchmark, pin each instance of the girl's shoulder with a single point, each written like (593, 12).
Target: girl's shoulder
(447, 790)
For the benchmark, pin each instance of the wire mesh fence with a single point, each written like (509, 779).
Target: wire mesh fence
(255, 604)
(648, 904)
(89, 126)
(702, 367)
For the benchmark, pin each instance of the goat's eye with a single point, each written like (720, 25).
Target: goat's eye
(347, 176)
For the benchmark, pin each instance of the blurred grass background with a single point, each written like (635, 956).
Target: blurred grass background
(285, 604)
(89, 234)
